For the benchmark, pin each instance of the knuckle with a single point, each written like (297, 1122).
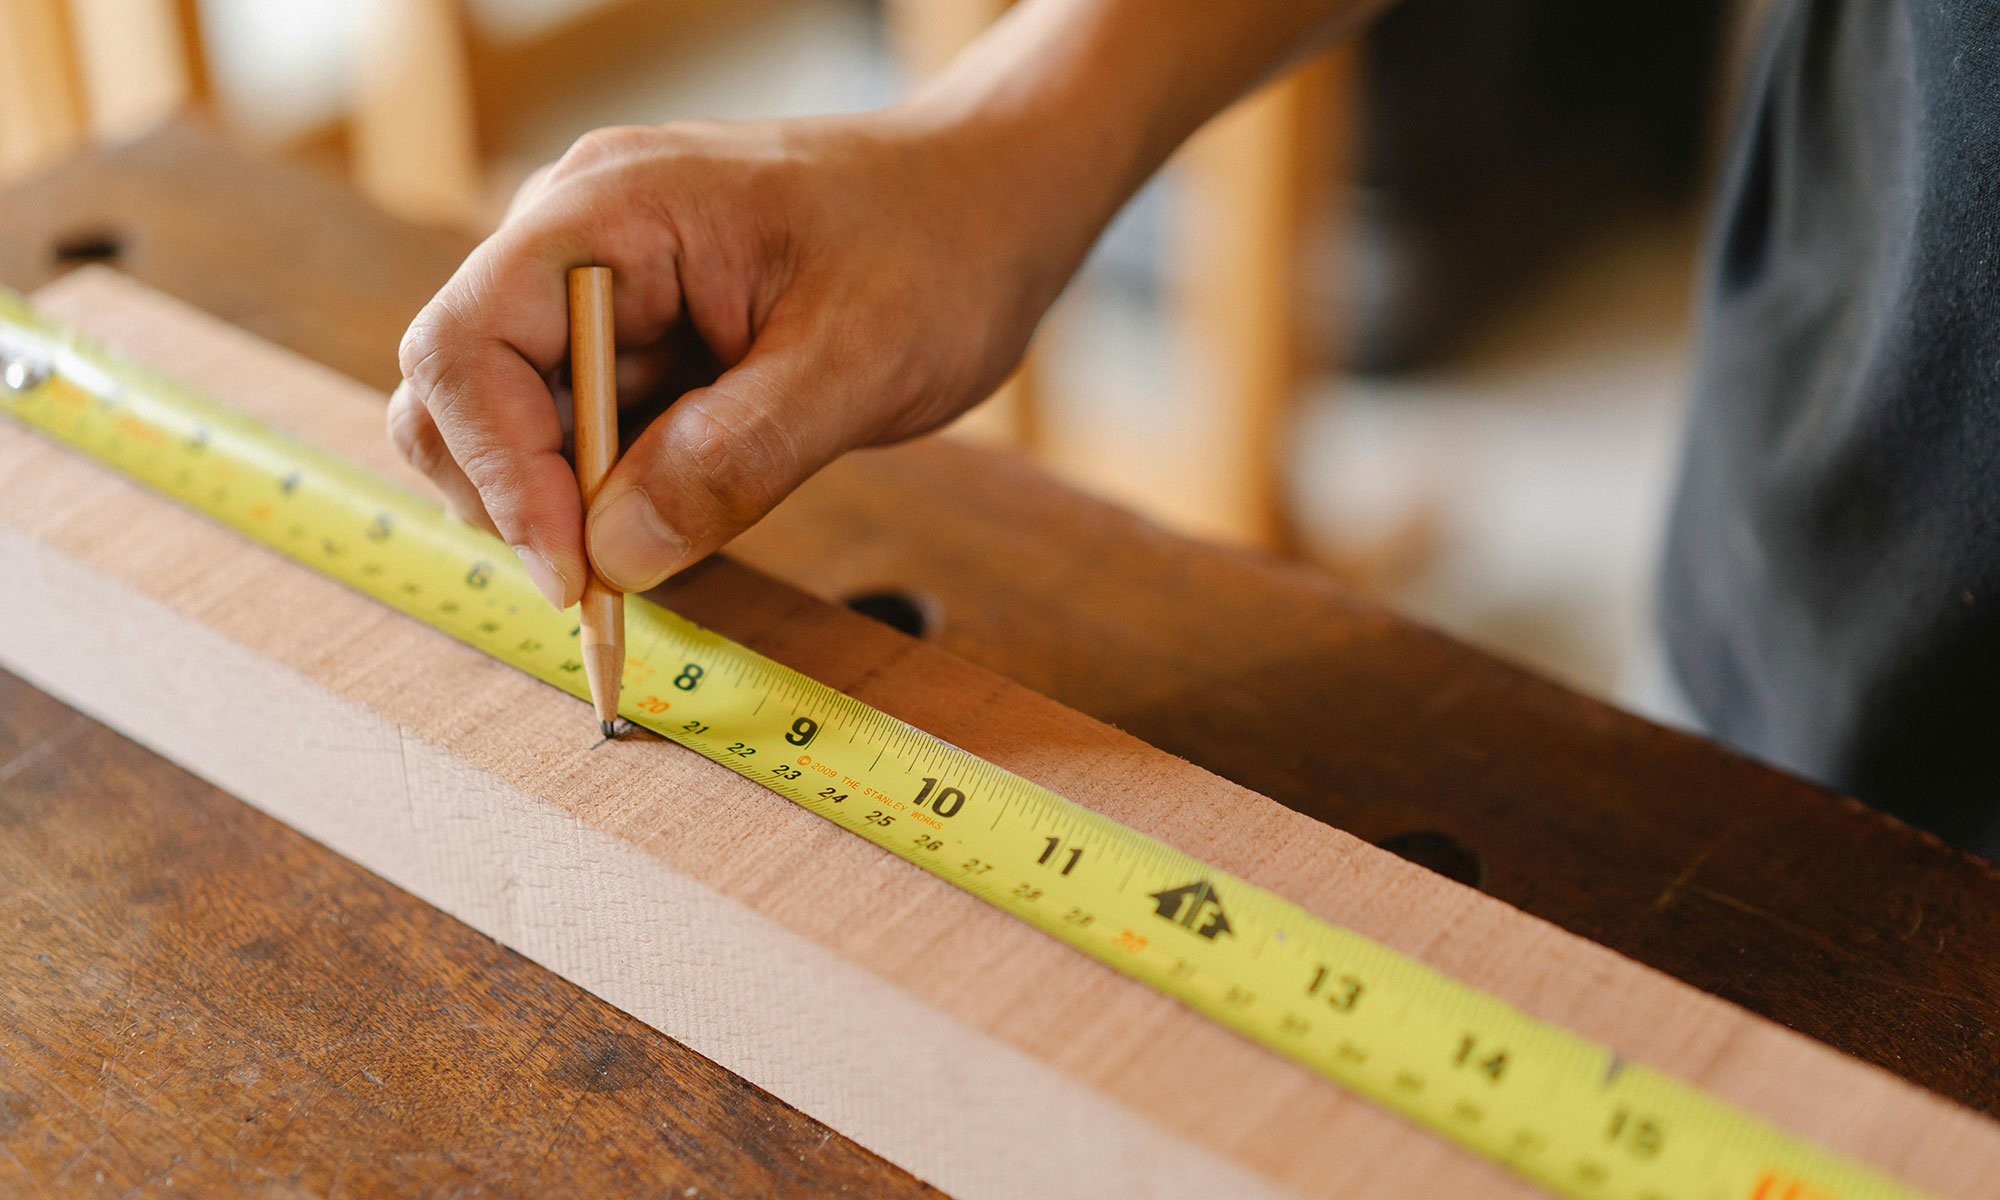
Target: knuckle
(402, 430)
(494, 479)
(599, 146)
(739, 467)
(530, 190)
(413, 435)
(486, 465)
(425, 339)
(444, 380)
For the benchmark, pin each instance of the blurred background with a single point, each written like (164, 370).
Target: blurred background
(1419, 311)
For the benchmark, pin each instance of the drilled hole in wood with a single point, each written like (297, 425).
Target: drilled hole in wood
(898, 610)
(88, 246)
(1441, 852)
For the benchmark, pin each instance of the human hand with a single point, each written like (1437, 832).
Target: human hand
(799, 288)
(791, 289)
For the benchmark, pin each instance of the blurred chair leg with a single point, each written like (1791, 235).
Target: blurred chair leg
(1012, 414)
(1247, 186)
(415, 138)
(139, 62)
(926, 34)
(41, 104)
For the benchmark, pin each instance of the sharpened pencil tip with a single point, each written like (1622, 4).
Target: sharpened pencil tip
(610, 729)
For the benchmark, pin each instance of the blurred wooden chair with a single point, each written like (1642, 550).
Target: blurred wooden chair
(1252, 183)
(433, 89)
(73, 71)
(1258, 189)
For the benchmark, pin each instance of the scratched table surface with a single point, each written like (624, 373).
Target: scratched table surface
(194, 999)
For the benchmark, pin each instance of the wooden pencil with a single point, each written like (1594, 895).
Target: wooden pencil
(594, 387)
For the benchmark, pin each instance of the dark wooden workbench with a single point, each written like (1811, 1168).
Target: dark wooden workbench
(194, 998)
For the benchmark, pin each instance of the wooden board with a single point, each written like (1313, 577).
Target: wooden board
(195, 1000)
(842, 979)
(1801, 905)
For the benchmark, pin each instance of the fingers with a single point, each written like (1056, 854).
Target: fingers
(491, 409)
(415, 436)
(713, 463)
(475, 412)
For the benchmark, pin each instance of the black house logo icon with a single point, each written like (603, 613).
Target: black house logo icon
(1187, 904)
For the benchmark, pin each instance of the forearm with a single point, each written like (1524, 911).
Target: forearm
(850, 280)
(1073, 104)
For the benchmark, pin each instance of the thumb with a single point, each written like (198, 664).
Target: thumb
(712, 464)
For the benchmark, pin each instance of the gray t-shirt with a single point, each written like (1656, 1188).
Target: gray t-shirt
(1831, 593)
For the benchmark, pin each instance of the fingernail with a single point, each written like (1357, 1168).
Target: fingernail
(547, 580)
(630, 545)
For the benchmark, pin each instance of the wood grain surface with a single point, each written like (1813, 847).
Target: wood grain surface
(171, 1065)
(201, 1002)
(967, 1047)
(1792, 902)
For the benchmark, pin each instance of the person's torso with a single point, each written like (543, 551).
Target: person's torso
(1832, 588)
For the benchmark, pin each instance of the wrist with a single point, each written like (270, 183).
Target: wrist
(1040, 156)
(1065, 107)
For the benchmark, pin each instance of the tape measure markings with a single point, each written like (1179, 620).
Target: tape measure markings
(1547, 1103)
